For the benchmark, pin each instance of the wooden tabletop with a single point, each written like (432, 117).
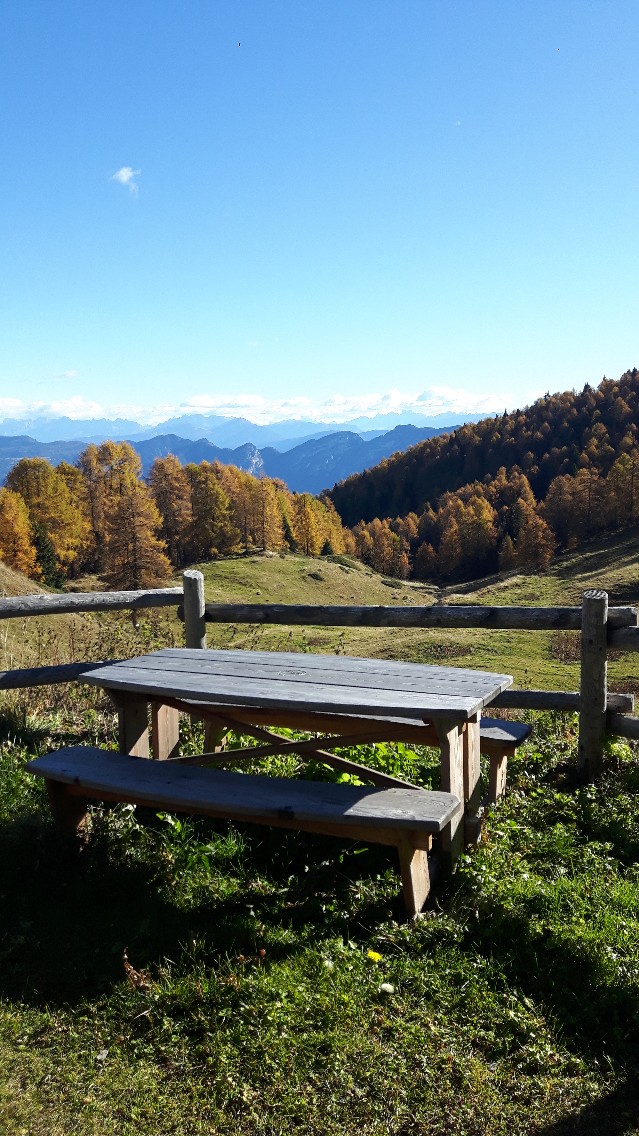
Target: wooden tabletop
(322, 683)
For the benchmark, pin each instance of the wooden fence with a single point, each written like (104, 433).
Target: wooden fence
(601, 627)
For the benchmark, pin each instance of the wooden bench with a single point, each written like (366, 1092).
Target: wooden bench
(500, 740)
(405, 818)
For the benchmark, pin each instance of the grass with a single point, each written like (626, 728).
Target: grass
(185, 976)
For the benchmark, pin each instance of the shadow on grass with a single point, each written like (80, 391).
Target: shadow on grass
(67, 917)
(616, 1114)
(595, 1018)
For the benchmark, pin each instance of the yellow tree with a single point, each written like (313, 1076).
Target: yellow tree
(211, 531)
(535, 544)
(106, 470)
(425, 566)
(307, 532)
(271, 526)
(51, 505)
(135, 556)
(76, 484)
(16, 546)
(623, 487)
(170, 487)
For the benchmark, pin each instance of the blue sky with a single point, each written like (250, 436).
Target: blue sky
(315, 208)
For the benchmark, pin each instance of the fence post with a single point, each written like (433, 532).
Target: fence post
(194, 622)
(593, 688)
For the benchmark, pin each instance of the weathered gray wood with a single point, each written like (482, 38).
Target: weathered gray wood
(280, 746)
(308, 749)
(413, 865)
(133, 723)
(472, 768)
(12, 607)
(267, 692)
(45, 676)
(451, 741)
(594, 686)
(165, 731)
(514, 699)
(437, 615)
(194, 621)
(497, 774)
(624, 638)
(622, 726)
(320, 671)
(271, 800)
(302, 664)
(494, 730)
(68, 811)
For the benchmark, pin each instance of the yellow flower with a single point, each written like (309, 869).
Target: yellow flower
(375, 956)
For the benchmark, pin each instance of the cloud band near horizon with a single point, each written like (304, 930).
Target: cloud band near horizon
(263, 411)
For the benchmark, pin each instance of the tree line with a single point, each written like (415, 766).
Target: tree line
(99, 516)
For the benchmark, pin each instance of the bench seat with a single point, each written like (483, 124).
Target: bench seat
(405, 818)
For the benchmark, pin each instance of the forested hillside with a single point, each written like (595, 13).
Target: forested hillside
(558, 434)
(550, 476)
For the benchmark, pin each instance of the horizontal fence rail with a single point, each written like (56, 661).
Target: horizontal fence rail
(13, 607)
(437, 615)
(570, 701)
(623, 727)
(46, 676)
(624, 638)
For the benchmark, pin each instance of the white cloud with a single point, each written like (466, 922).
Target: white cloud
(68, 375)
(337, 408)
(126, 175)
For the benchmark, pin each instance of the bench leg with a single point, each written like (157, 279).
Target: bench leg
(413, 863)
(497, 777)
(68, 811)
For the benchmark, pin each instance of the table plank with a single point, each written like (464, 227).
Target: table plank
(269, 692)
(243, 666)
(344, 665)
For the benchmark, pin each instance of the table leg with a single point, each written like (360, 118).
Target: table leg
(450, 732)
(472, 767)
(133, 723)
(165, 731)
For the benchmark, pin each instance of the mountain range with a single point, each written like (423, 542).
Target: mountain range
(219, 429)
(308, 466)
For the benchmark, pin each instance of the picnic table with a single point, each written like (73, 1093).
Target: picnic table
(348, 701)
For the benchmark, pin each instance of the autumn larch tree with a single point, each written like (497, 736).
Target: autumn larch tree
(171, 491)
(16, 546)
(135, 556)
(51, 505)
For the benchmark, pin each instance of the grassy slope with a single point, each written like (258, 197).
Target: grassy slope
(537, 660)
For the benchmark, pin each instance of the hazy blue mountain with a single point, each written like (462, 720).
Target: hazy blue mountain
(221, 431)
(320, 462)
(67, 429)
(21, 446)
(245, 457)
(313, 465)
